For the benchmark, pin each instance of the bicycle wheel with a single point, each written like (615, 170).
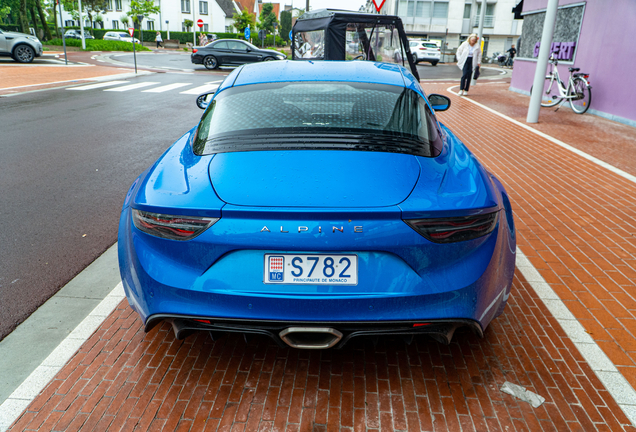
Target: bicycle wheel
(582, 96)
(550, 95)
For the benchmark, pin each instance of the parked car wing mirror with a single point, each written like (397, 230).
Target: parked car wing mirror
(202, 100)
(439, 102)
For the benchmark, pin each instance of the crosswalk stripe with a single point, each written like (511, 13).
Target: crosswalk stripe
(98, 85)
(201, 89)
(132, 86)
(165, 88)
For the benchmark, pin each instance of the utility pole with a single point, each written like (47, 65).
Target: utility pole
(480, 33)
(81, 19)
(307, 6)
(59, 5)
(542, 61)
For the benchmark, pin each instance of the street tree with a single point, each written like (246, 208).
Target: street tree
(244, 20)
(4, 13)
(142, 7)
(285, 24)
(267, 20)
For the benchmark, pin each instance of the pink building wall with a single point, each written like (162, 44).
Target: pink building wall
(606, 50)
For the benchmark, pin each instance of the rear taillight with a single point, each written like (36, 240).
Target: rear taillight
(455, 229)
(422, 49)
(169, 226)
(194, 50)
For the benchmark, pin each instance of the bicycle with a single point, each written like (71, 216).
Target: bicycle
(578, 92)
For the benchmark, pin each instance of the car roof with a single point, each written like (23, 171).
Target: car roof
(303, 70)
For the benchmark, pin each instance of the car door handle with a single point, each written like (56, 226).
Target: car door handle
(9, 37)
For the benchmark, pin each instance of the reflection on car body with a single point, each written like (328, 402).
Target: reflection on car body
(316, 202)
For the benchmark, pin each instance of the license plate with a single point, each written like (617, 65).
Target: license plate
(311, 269)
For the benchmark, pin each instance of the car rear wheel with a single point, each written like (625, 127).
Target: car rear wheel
(23, 54)
(210, 62)
(434, 63)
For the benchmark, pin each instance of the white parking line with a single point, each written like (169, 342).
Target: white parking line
(98, 85)
(166, 88)
(132, 86)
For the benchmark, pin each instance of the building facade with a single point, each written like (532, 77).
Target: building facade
(217, 15)
(592, 36)
(451, 21)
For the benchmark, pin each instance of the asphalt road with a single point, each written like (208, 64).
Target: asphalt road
(68, 159)
(171, 60)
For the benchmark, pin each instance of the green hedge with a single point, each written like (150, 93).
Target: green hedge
(10, 27)
(99, 45)
(149, 35)
(185, 37)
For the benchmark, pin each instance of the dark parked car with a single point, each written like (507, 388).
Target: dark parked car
(76, 34)
(226, 52)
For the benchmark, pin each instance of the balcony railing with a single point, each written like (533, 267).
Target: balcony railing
(489, 21)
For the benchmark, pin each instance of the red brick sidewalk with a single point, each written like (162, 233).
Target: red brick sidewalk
(575, 222)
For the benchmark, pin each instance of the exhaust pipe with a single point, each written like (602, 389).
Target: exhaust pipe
(310, 337)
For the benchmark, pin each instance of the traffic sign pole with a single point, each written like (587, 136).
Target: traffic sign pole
(200, 24)
(131, 32)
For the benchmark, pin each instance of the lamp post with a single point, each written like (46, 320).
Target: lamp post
(140, 18)
(480, 33)
(81, 20)
(542, 61)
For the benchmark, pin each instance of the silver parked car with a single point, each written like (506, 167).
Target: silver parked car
(22, 47)
(119, 36)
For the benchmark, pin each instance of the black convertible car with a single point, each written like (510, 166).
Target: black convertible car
(231, 52)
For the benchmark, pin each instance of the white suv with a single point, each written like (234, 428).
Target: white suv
(22, 47)
(425, 51)
(119, 36)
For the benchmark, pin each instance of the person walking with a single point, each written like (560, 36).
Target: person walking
(158, 39)
(468, 58)
(511, 55)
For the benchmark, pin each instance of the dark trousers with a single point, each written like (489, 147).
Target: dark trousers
(467, 74)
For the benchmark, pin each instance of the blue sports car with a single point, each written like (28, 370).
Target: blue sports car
(316, 202)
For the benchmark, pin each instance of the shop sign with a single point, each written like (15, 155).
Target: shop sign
(562, 50)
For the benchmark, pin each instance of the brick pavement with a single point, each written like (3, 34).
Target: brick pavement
(39, 77)
(575, 223)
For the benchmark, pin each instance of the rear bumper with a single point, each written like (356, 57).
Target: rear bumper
(196, 59)
(313, 335)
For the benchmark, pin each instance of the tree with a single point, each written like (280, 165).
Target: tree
(285, 24)
(45, 26)
(4, 12)
(268, 18)
(188, 24)
(124, 20)
(142, 7)
(243, 20)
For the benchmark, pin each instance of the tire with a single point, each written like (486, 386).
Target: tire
(434, 63)
(582, 102)
(23, 54)
(268, 59)
(549, 86)
(210, 62)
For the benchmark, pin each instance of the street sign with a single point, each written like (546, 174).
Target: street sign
(378, 7)
(131, 31)
(262, 34)
(200, 23)
(247, 33)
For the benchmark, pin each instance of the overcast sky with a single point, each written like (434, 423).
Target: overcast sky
(322, 4)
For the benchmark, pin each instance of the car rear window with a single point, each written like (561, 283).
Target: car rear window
(318, 115)
(430, 45)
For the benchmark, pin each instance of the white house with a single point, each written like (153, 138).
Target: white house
(451, 21)
(216, 15)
